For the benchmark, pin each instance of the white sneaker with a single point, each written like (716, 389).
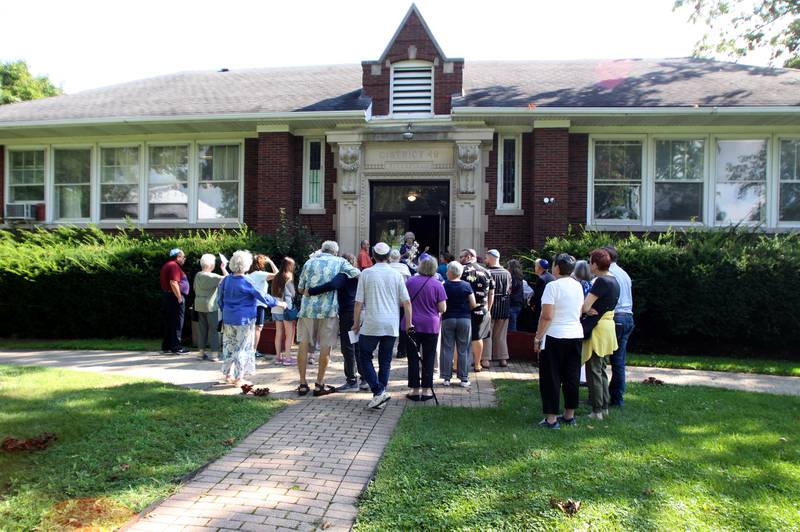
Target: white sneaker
(465, 384)
(446, 382)
(363, 386)
(596, 415)
(378, 400)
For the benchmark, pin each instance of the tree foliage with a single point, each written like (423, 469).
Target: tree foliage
(17, 84)
(738, 27)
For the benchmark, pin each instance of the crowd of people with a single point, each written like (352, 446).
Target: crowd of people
(451, 313)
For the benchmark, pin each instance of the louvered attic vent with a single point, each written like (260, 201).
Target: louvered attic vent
(412, 89)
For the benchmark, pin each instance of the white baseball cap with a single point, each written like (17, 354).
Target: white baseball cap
(381, 248)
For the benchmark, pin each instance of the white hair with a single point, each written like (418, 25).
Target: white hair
(427, 266)
(456, 268)
(394, 256)
(330, 246)
(240, 261)
(409, 235)
(208, 261)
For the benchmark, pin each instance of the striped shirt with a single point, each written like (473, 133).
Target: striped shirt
(501, 308)
(381, 291)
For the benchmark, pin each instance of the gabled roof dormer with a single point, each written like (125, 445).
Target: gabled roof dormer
(413, 77)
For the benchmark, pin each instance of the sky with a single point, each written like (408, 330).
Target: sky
(83, 44)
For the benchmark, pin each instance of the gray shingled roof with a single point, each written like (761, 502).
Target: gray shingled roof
(627, 83)
(622, 83)
(321, 88)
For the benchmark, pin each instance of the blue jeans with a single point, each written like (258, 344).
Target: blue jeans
(366, 346)
(616, 388)
(456, 333)
(512, 317)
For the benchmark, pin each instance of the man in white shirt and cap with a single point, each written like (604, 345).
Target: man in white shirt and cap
(381, 292)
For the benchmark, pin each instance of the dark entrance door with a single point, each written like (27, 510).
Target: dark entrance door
(421, 207)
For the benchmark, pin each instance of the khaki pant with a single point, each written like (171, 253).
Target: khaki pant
(496, 346)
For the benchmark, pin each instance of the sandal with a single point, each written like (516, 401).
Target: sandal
(322, 389)
(303, 389)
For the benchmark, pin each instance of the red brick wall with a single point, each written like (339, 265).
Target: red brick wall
(250, 182)
(274, 183)
(444, 85)
(578, 178)
(551, 179)
(510, 234)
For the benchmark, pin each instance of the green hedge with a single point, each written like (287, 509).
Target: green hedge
(85, 283)
(727, 291)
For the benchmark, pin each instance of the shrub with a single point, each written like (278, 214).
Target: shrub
(727, 291)
(82, 282)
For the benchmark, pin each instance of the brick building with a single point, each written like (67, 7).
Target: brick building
(484, 154)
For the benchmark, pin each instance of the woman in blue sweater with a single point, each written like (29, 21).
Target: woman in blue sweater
(237, 298)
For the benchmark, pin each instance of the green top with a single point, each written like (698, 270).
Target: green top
(205, 291)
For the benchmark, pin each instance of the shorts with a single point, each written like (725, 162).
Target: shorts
(261, 316)
(481, 326)
(286, 315)
(322, 331)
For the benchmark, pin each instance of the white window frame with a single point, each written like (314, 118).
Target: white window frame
(93, 188)
(711, 197)
(141, 178)
(644, 199)
(240, 189)
(774, 197)
(516, 206)
(7, 172)
(650, 179)
(412, 64)
(307, 206)
(191, 197)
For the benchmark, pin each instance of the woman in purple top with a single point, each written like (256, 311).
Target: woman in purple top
(237, 299)
(456, 325)
(427, 304)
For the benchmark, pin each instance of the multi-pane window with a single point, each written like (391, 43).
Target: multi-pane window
(508, 174)
(72, 172)
(168, 178)
(313, 173)
(741, 181)
(26, 176)
(412, 88)
(617, 179)
(789, 203)
(218, 187)
(119, 183)
(680, 169)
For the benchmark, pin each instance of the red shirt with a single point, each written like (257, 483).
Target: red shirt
(171, 271)
(364, 261)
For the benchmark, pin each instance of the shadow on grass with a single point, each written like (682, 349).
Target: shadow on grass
(675, 458)
(131, 441)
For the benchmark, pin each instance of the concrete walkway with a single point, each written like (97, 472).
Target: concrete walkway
(305, 468)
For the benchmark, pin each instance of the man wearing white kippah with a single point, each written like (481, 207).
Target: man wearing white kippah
(380, 293)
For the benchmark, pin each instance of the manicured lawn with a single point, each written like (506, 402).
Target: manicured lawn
(677, 458)
(130, 440)
(105, 344)
(741, 365)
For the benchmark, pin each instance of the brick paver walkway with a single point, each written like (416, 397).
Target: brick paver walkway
(305, 468)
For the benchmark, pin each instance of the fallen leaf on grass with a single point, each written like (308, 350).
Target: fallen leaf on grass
(37, 443)
(653, 380)
(536, 454)
(87, 514)
(783, 439)
(569, 506)
(124, 467)
(230, 441)
(647, 492)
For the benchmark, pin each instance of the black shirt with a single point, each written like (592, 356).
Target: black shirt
(606, 288)
(481, 282)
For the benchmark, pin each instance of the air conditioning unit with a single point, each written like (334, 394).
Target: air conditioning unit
(20, 211)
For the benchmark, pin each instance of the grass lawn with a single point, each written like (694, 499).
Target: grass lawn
(687, 458)
(741, 365)
(105, 344)
(129, 440)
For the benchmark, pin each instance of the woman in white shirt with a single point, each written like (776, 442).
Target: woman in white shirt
(559, 339)
(259, 277)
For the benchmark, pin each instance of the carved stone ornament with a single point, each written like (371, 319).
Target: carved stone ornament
(468, 158)
(349, 163)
